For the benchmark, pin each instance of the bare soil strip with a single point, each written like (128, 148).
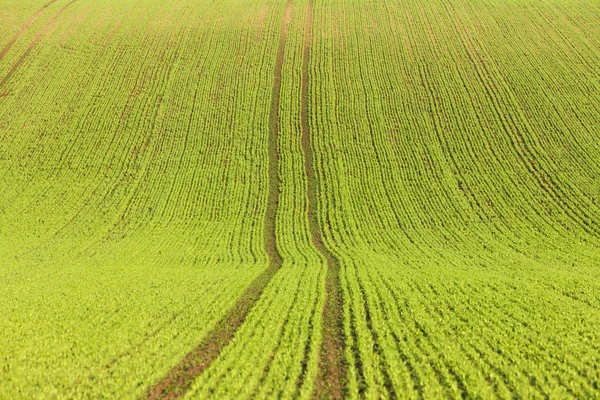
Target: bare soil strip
(183, 375)
(332, 366)
(25, 26)
(33, 43)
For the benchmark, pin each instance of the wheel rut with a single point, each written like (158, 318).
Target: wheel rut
(182, 376)
(330, 381)
(25, 26)
(34, 42)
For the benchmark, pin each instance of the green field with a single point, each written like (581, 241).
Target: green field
(299, 199)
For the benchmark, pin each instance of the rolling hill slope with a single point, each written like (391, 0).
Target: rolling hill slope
(300, 199)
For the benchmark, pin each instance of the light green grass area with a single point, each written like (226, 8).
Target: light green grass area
(456, 154)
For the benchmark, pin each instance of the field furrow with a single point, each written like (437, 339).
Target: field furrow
(300, 199)
(12, 41)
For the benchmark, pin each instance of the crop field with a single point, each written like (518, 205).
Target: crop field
(299, 199)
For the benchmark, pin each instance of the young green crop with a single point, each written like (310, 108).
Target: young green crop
(129, 224)
(441, 190)
(275, 352)
(436, 163)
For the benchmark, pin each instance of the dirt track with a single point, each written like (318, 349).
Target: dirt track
(34, 42)
(25, 26)
(181, 377)
(332, 369)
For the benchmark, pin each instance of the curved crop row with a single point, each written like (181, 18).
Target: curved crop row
(129, 223)
(437, 180)
(357, 199)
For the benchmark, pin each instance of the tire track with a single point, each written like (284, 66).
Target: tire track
(182, 376)
(332, 368)
(25, 26)
(33, 43)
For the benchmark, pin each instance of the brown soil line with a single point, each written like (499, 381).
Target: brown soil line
(330, 381)
(274, 178)
(25, 26)
(33, 43)
(182, 376)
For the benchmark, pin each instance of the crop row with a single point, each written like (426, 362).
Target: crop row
(275, 353)
(444, 154)
(135, 185)
(467, 248)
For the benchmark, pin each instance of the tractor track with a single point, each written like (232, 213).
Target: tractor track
(330, 381)
(182, 376)
(34, 42)
(25, 26)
